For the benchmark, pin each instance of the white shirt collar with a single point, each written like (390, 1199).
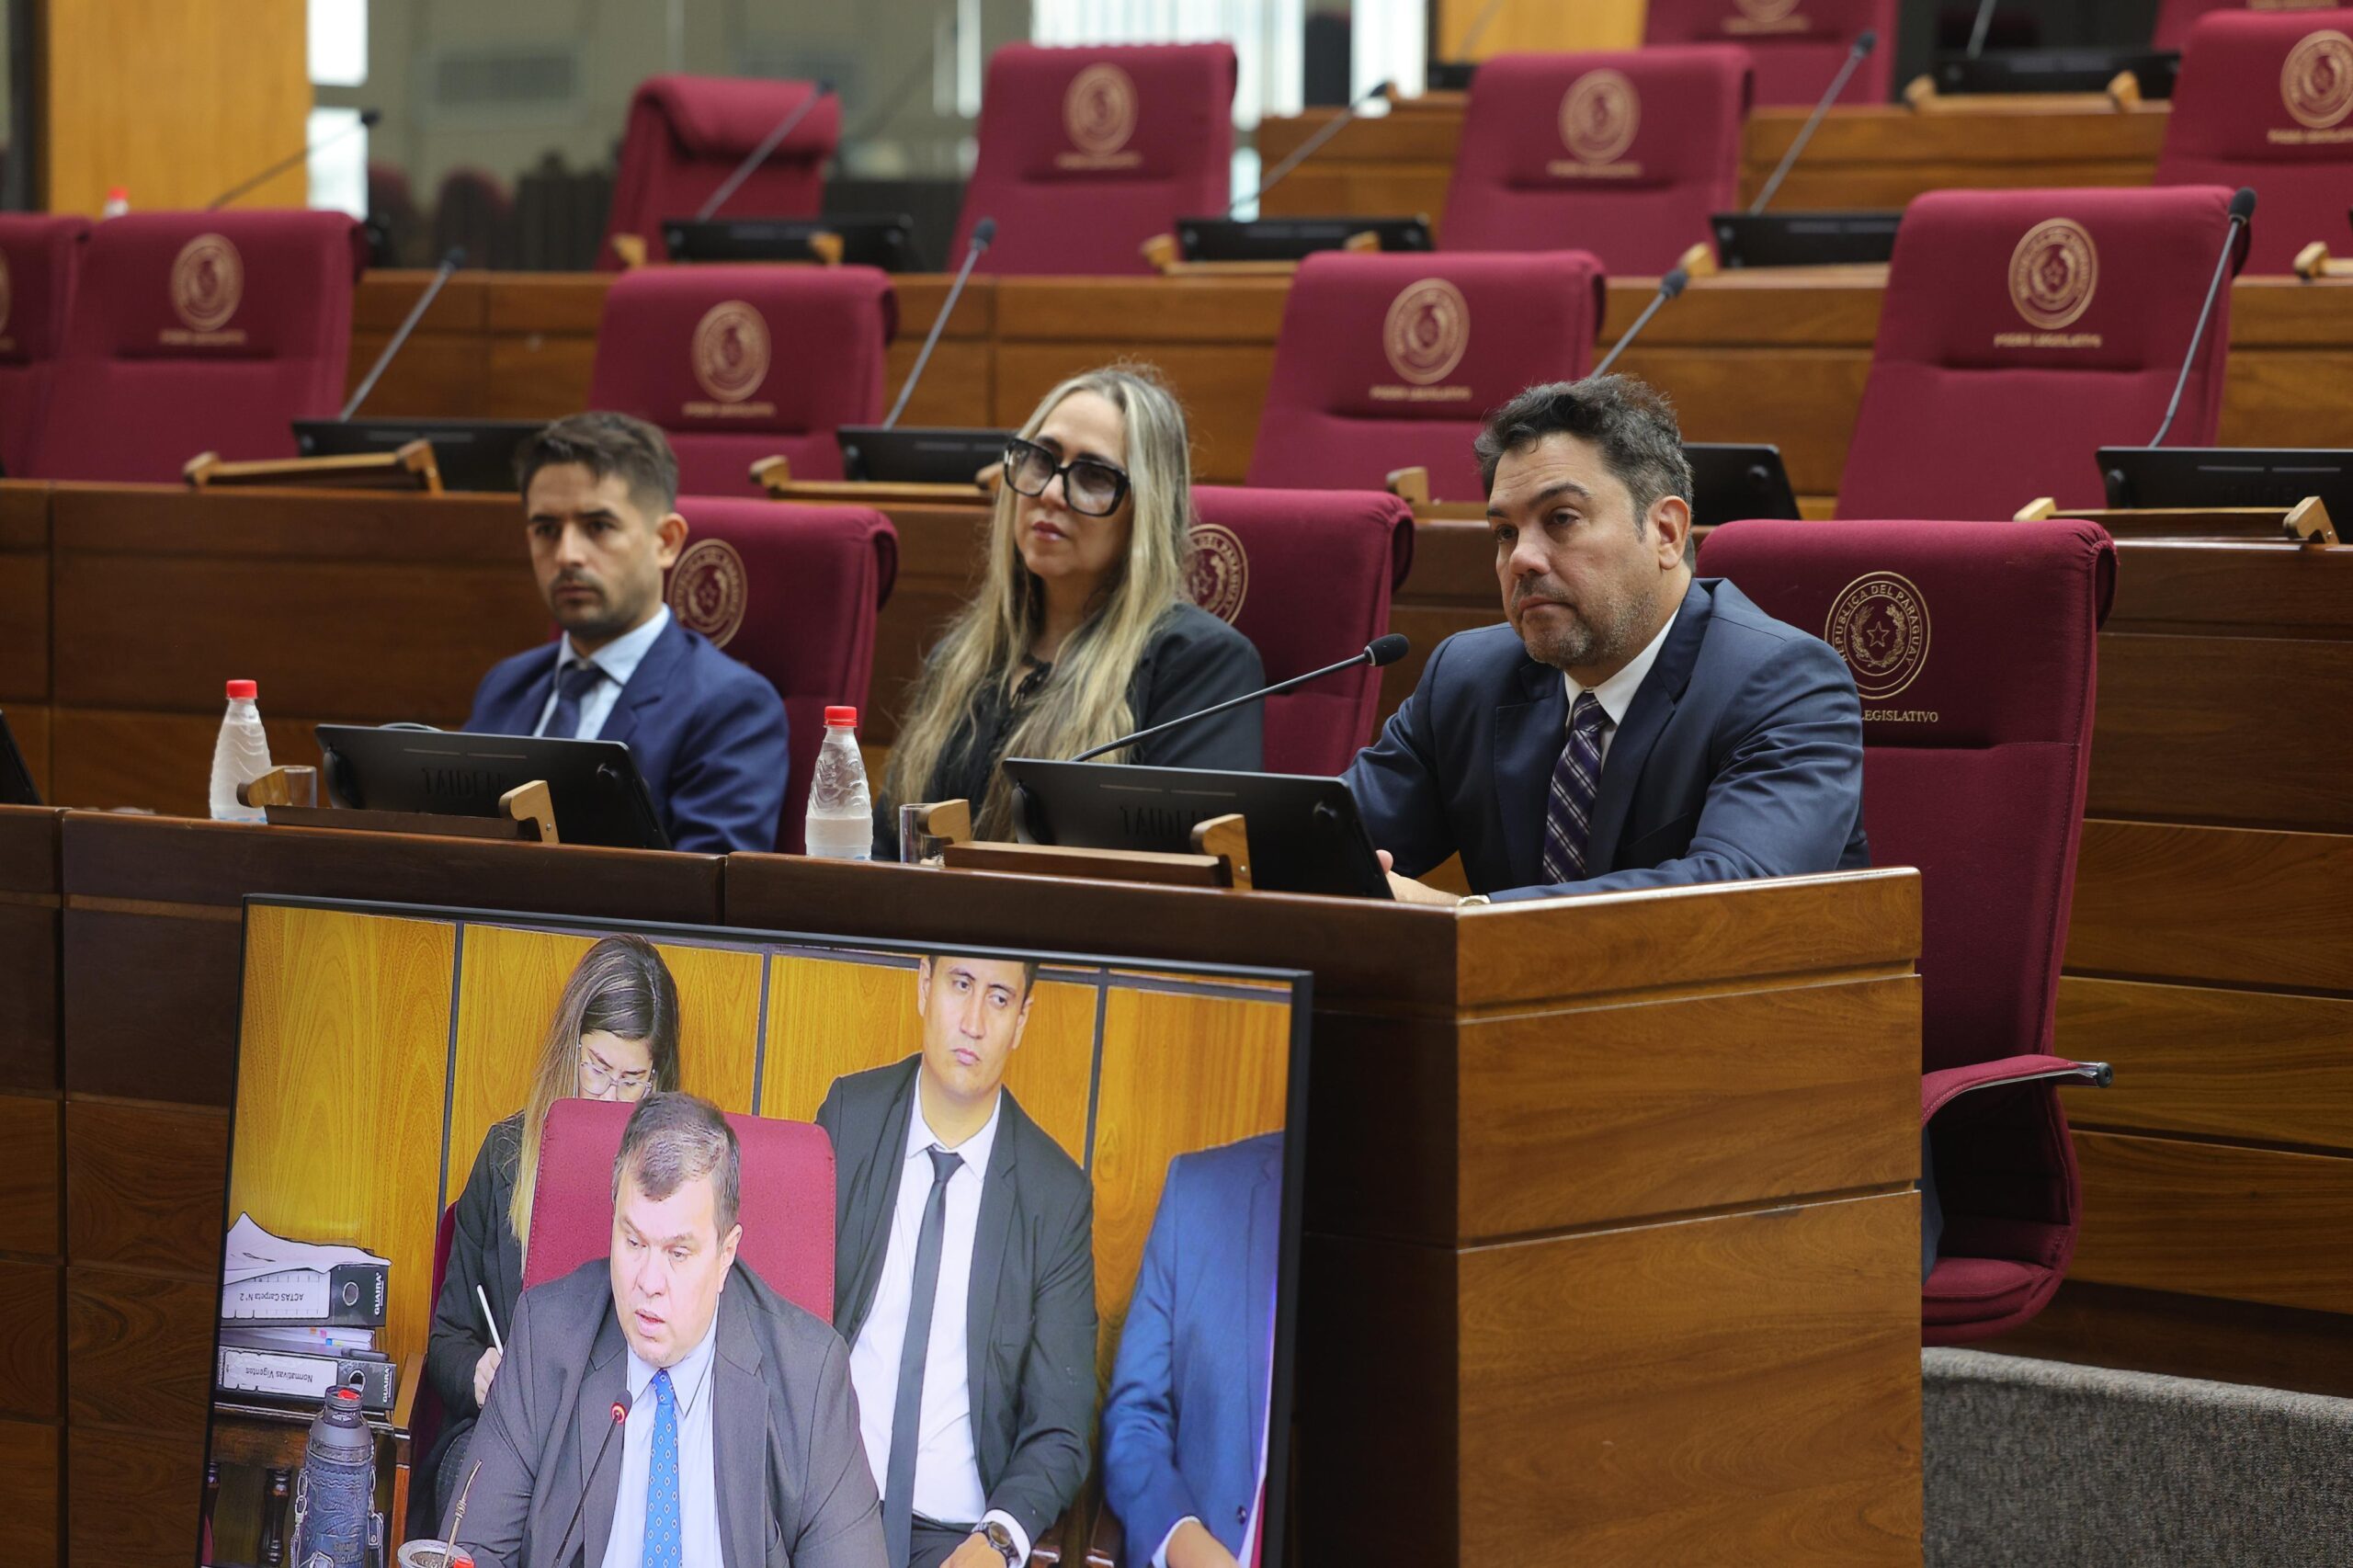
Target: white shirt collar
(974, 1151)
(619, 658)
(687, 1378)
(1617, 694)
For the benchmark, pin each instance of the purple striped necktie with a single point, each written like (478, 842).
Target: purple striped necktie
(1568, 805)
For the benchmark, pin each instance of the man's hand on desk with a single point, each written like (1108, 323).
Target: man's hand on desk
(1191, 1545)
(484, 1370)
(1405, 889)
(976, 1552)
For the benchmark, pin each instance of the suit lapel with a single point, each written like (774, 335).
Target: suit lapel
(646, 682)
(874, 1193)
(992, 1239)
(1266, 1255)
(1529, 738)
(606, 1384)
(739, 1431)
(1646, 716)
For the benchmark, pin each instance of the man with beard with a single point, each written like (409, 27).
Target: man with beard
(600, 493)
(1633, 726)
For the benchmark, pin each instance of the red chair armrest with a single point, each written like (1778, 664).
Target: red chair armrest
(1939, 1089)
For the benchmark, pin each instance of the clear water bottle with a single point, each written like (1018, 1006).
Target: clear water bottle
(338, 1483)
(240, 755)
(117, 202)
(840, 823)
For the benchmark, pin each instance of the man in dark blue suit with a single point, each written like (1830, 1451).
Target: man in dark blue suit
(601, 492)
(1631, 726)
(1185, 1423)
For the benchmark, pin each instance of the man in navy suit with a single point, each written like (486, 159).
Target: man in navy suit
(601, 492)
(1631, 726)
(1185, 1424)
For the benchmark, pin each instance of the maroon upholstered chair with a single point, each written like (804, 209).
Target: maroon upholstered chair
(793, 591)
(1087, 153)
(1306, 575)
(2034, 326)
(1796, 46)
(1974, 645)
(197, 332)
(2266, 99)
(40, 257)
(687, 134)
(1624, 155)
(787, 1199)
(428, 1414)
(1391, 361)
(473, 208)
(741, 363)
(2175, 17)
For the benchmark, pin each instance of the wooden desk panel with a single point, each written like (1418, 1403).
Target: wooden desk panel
(29, 903)
(24, 596)
(30, 1489)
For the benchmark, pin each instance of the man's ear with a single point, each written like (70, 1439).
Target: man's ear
(669, 539)
(727, 1252)
(1671, 527)
(1021, 1018)
(923, 987)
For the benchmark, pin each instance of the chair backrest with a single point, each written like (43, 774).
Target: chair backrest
(1087, 153)
(787, 1199)
(39, 258)
(473, 208)
(1796, 46)
(688, 134)
(1624, 155)
(1306, 575)
(2266, 99)
(740, 363)
(197, 332)
(2175, 17)
(1391, 361)
(2034, 327)
(794, 592)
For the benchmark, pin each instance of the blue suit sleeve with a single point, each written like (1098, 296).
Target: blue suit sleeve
(1788, 792)
(726, 789)
(1140, 1481)
(1395, 782)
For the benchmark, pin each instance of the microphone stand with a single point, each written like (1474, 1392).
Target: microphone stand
(1977, 32)
(1370, 657)
(449, 265)
(760, 154)
(2245, 199)
(367, 121)
(1668, 288)
(1300, 153)
(983, 235)
(1864, 44)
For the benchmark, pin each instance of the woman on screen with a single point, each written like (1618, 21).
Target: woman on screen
(614, 1037)
(1083, 628)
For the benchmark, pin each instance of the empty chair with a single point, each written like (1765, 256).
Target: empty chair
(1306, 575)
(740, 363)
(688, 134)
(1796, 46)
(1392, 361)
(196, 332)
(40, 257)
(1086, 154)
(794, 592)
(2175, 17)
(2023, 330)
(474, 210)
(1974, 649)
(1623, 154)
(2266, 99)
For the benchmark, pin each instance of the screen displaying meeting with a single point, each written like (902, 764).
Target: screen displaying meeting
(557, 1243)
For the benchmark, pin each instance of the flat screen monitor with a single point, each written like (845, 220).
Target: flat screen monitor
(2069, 70)
(475, 455)
(2229, 476)
(598, 795)
(866, 239)
(1291, 239)
(919, 454)
(1804, 239)
(1730, 480)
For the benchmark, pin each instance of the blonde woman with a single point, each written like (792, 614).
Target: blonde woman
(1083, 628)
(614, 1037)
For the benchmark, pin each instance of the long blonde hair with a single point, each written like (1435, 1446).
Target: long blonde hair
(1084, 701)
(622, 987)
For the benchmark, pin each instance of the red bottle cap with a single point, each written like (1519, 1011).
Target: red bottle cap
(244, 688)
(842, 716)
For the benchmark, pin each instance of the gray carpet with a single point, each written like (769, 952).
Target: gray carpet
(2043, 1462)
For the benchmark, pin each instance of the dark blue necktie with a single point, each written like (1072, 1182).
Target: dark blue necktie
(1568, 807)
(906, 1416)
(664, 1531)
(572, 683)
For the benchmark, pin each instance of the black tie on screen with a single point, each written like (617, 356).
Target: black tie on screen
(906, 1417)
(573, 683)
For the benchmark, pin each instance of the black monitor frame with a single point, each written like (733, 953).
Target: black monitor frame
(599, 797)
(1293, 239)
(919, 454)
(1731, 479)
(868, 239)
(2087, 68)
(476, 456)
(2136, 477)
(1859, 235)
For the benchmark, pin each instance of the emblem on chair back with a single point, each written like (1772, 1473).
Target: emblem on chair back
(2054, 273)
(1221, 572)
(208, 284)
(1099, 115)
(1879, 623)
(709, 588)
(730, 353)
(2317, 83)
(1427, 330)
(1599, 114)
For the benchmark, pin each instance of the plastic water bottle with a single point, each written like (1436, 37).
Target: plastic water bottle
(117, 202)
(240, 755)
(840, 825)
(337, 1484)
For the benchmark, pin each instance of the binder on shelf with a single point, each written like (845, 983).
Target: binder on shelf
(299, 1375)
(267, 1279)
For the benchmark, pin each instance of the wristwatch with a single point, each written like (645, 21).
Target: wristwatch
(1472, 901)
(996, 1535)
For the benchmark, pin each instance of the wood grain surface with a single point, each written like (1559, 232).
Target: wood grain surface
(2219, 904)
(144, 1184)
(2189, 1336)
(135, 1495)
(139, 1348)
(31, 1179)
(30, 1490)
(31, 1308)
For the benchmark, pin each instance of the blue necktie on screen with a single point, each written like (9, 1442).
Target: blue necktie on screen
(1568, 807)
(573, 683)
(664, 1536)
(906, 1416)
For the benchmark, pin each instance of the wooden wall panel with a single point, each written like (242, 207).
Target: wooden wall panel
(31, 1490)
(1540, 25)
(139, 1346)
(136, 1495)
(144, 1186)
(30, 978)
(32, 1304)
(124, 974)
(2189, 1336)
(109, 759)
(2220, 904)
(31, 1190)
(30, 726)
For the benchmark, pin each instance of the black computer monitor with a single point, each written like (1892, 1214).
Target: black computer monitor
(1451, 75)
(2071, 69)
(919, 454)
(1306, 834)
(472, 454)
(1291, 239)
(598, 795)
(16, 780)
(1730, 480)
(867, 239)
(1804, 239)
(2229, 476)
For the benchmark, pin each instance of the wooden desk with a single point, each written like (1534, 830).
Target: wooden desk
(32, 1236)
(1864, 155)
(1608, 1259)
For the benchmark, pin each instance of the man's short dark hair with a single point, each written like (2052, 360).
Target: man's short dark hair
(605, 444)
(1631, 421)
(1028, 968)
(676, 1138)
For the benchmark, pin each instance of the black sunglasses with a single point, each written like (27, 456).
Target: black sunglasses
(1093, 488)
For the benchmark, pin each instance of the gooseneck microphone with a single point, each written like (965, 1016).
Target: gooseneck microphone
(1381, 651)
(983, 235)
(1865, 42)
(760, 154)
(2241, 209)
(1478, 29)
(1299, 153)
(1668, 287)
(367, 121)
(1977, 30)
(621, 1419)
(450, 264)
